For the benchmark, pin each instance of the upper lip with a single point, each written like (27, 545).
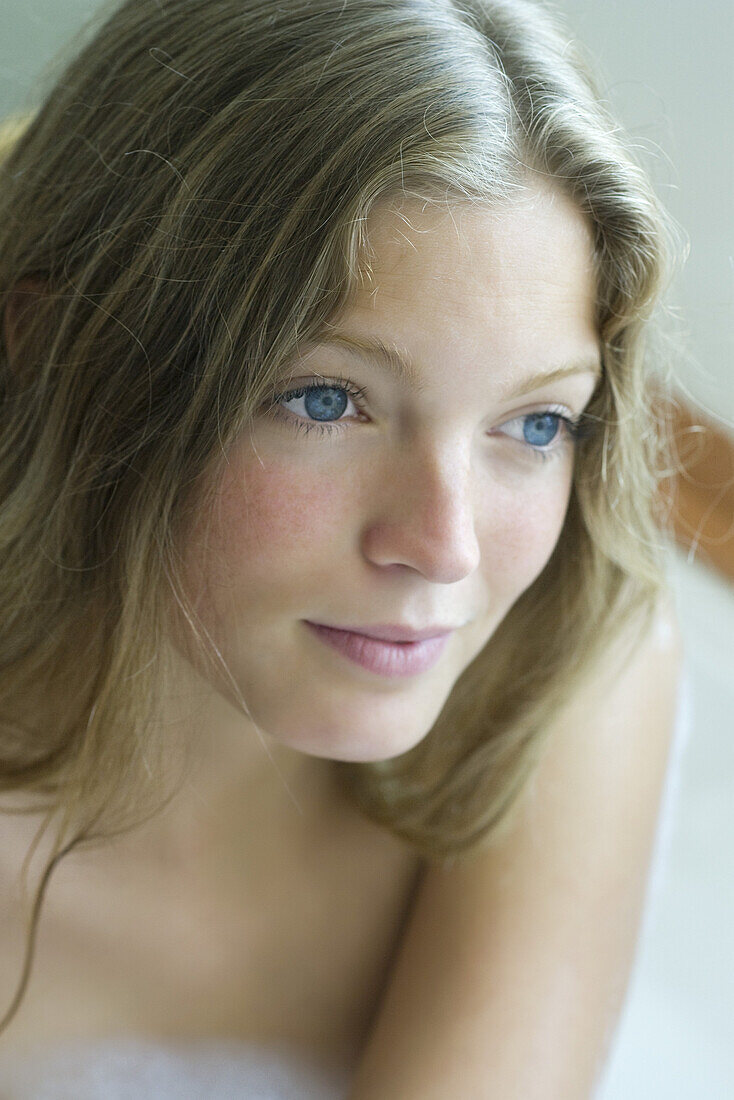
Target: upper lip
(394, 632)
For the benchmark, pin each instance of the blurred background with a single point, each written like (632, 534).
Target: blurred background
(665, 70)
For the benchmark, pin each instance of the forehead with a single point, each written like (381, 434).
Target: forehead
(538, 247)
(508, 286)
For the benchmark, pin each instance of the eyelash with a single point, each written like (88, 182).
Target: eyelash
(576, 428)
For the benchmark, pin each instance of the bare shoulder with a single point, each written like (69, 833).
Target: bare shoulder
(18, 831)
(633, 654)
(514, 967)
(624, 714)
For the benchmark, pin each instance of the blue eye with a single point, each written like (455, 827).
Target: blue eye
(326, 401)
(540, 429)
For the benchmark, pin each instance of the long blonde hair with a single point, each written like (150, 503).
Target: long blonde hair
(193, 192)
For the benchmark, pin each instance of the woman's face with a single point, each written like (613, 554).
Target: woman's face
(423, 503)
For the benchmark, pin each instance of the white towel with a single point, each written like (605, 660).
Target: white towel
(129, 1068)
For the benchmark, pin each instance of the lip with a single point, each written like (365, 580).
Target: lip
(394, 632)
(386, 658)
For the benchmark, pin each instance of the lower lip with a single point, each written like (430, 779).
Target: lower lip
(392, 659)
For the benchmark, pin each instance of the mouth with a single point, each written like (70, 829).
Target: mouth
(393, 659)
(394, 632)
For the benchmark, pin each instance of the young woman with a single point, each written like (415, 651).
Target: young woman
(339, 667)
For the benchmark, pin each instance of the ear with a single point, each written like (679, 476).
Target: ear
(19, 310)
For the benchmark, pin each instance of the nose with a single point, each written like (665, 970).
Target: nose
(425, 515)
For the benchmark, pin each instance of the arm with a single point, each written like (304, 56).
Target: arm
(514, 967)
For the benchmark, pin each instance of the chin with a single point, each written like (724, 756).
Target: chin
(373, 752)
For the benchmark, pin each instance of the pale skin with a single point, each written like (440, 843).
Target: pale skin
(430, 506)
(513, 970)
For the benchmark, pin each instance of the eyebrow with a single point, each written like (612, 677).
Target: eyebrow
(408, 375)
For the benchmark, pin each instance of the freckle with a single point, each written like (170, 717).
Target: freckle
(284, 506)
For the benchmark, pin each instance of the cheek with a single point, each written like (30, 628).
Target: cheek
(521, 534)
(267, 523)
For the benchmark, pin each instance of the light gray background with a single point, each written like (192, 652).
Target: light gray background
(667, 72)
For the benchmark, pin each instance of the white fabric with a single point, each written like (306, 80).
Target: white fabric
(138, 1069)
